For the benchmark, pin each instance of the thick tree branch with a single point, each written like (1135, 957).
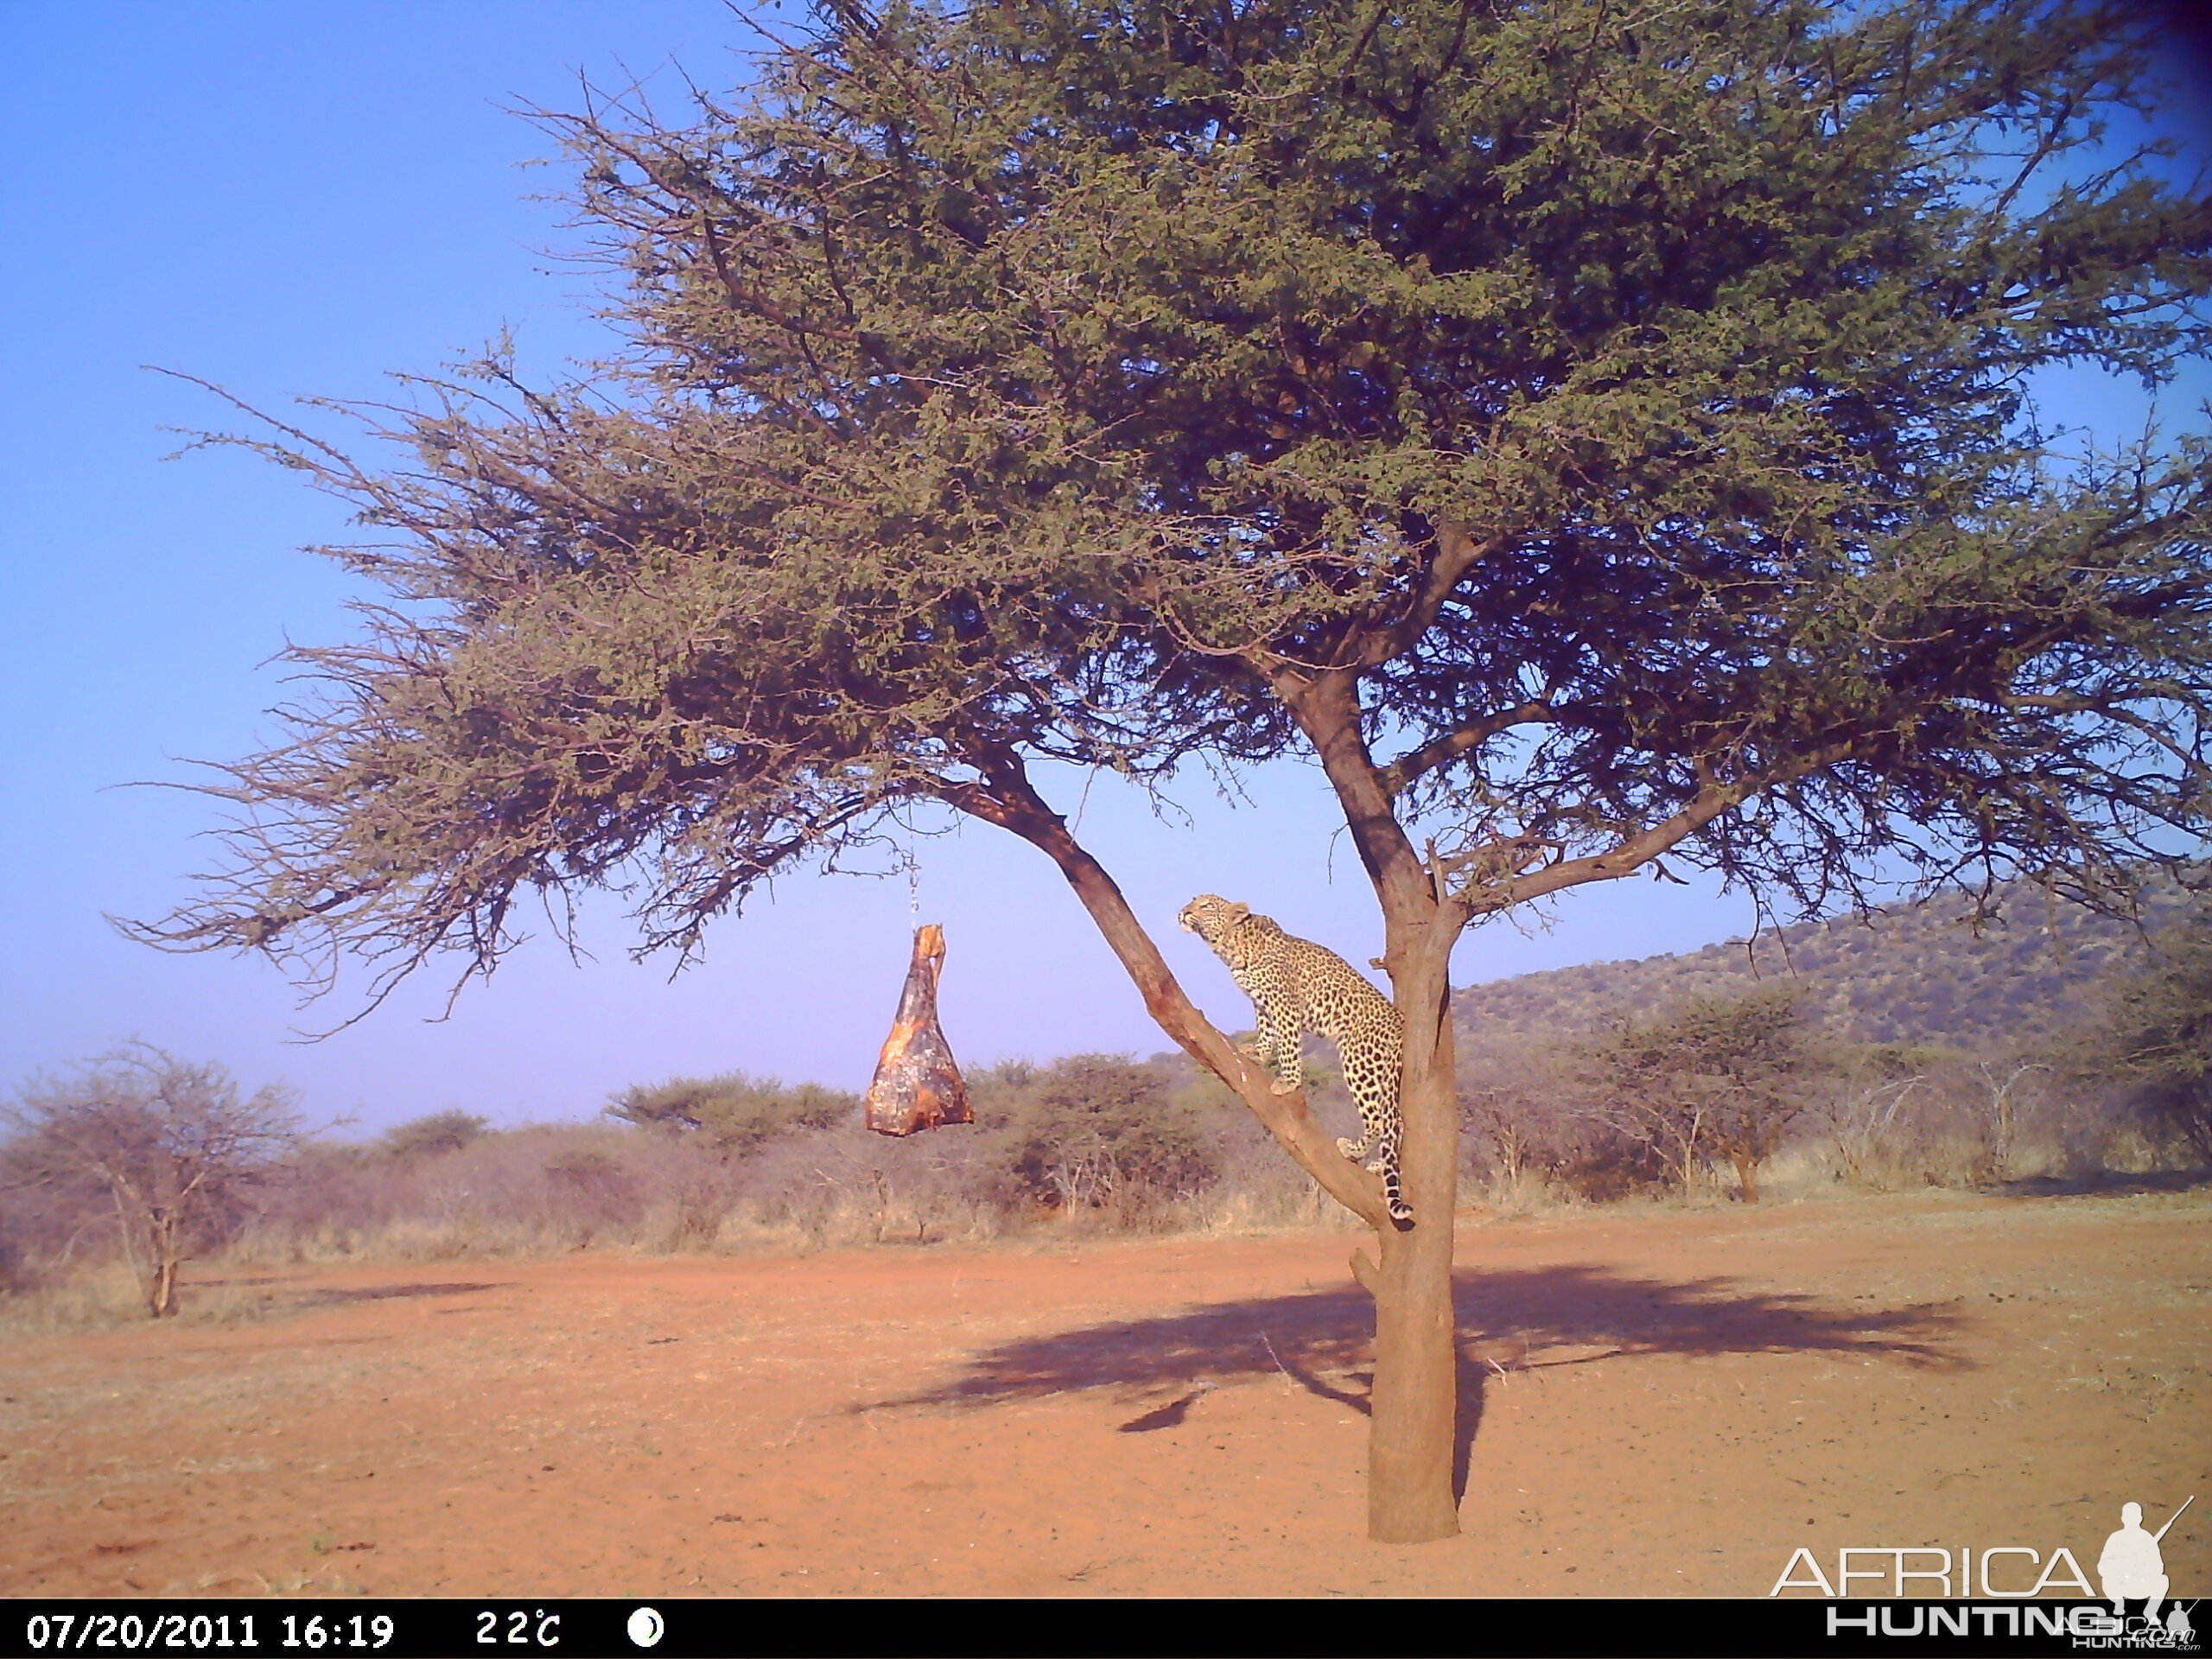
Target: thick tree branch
(1632, 852)
(1007, 798)
(1326, 708)
(1456, 553)
(1411, 768)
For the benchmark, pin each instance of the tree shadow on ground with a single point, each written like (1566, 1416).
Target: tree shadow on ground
(314, 1296)
(2103, 1183)
(1509, 1321)
(385, 1293)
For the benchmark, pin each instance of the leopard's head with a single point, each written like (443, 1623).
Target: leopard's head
(1210, 917)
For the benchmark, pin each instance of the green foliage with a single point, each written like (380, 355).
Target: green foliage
(2156, 1031)
(734, 1111)
(1714, 1078)
(1907, 977)
(1622, 407)
(434, 1133)
(1098, 1131)
(1744, 1041)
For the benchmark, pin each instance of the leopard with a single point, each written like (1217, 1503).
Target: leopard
(1296, 987)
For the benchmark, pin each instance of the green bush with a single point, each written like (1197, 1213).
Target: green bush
(1103, 1131)
(1714, 1078)
(431, 1136)
(734, 1111)
(2154, 1037)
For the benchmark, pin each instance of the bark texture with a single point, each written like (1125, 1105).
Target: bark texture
(1411, 1436)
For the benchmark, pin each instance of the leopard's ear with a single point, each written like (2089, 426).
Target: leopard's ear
(1237, 913)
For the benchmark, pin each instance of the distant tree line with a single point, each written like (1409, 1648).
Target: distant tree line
(1719, 1080)
(149, 1161)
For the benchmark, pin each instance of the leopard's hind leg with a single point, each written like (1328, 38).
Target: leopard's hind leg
(1380, 1123)
(1367, 1094)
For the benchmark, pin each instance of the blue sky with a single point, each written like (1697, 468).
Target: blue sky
(295, 200)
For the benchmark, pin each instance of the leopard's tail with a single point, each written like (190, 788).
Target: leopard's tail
(1402, 1213)
(1386, 1166)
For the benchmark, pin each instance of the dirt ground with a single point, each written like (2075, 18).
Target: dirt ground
(1658, 1402)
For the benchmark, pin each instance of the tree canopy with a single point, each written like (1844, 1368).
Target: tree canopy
(1716, 1077)
(733, 1110)
(1595, 430)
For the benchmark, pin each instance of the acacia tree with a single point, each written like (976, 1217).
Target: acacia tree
(170, 1144)
(732, 1111)
(1520, 1102)
(1593, 431)
(1720, 1076)
(2154, 1033)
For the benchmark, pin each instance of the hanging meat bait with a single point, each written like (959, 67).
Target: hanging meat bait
(917, 1084)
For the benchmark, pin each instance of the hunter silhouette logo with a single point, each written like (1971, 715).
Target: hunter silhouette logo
(2132, 1565)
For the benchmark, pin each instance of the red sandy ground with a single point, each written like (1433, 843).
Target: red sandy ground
(1659, 1403)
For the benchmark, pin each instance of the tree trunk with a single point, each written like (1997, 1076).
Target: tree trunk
(1414, 1412)
(1685, 1166)
(1413, 1435)
(1746, 1173)
(160, 1289)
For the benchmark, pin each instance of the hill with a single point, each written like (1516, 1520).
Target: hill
(1917, 974)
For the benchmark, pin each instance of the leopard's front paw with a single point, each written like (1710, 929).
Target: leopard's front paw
(1277, 1086)
(1348, 1148)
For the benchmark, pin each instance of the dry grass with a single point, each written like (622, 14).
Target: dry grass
(550, 1192)
(228, 1286)
(105, 1295)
